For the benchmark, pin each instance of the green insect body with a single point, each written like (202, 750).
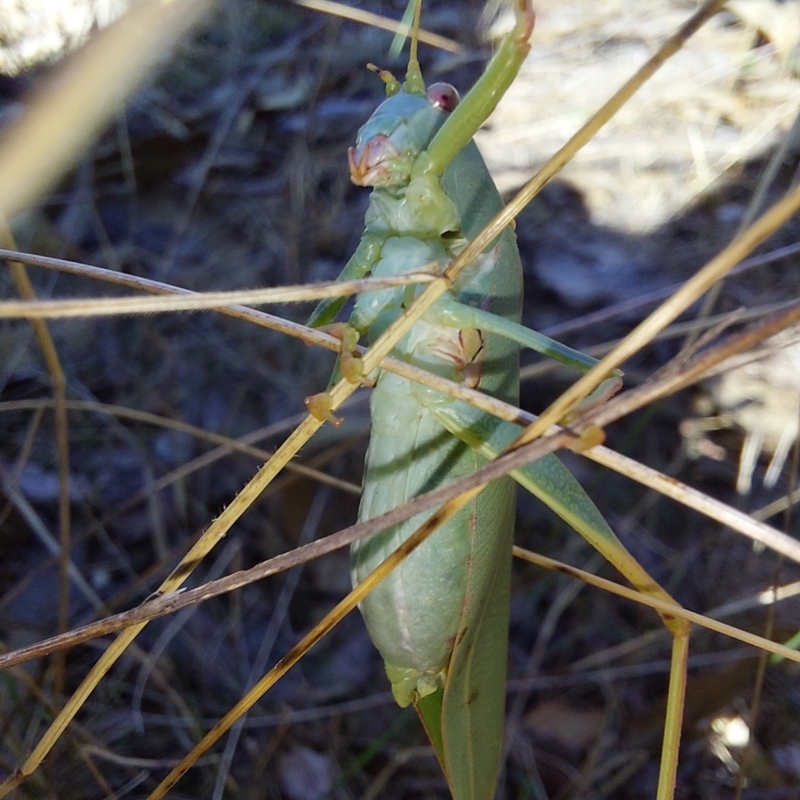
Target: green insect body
(417, 613)
(440, 620)
(436, 608)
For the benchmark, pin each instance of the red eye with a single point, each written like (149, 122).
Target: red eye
(443, 96)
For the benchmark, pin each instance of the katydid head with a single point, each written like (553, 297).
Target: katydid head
(403, 125)
(400, 129)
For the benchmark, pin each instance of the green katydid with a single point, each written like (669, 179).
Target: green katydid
(440, 619)
(472, 682)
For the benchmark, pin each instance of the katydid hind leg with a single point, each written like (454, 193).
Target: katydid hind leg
(552, 483)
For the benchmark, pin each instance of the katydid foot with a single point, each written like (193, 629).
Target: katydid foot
(350, 365)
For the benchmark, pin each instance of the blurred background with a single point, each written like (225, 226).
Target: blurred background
(227, 169)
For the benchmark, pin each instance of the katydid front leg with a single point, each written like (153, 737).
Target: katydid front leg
(374, 311)
(358, 266)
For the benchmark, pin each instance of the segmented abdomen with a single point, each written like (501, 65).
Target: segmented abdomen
(413, 615)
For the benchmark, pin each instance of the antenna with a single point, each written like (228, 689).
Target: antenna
(414, 83)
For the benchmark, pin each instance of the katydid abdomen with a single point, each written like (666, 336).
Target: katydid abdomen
(414, 616)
